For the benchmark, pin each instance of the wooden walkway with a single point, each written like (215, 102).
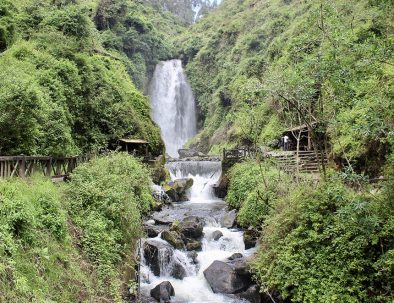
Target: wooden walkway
(26, 166)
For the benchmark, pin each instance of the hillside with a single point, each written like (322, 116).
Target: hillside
(188, 11)
(72, 73)
(260, 67)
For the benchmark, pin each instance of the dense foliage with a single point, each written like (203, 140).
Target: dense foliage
(259, 67)
(76, 242)
(61, 92)
(107, 198)
(253, 189)
(140, 32)
(327, 243)
(38, 261)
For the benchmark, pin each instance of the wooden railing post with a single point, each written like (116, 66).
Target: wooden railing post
(22, 167)
(49, 168)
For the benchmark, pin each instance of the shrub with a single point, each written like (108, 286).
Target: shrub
(37, 260)
(253, 188)
(107, 197)
(328, 244)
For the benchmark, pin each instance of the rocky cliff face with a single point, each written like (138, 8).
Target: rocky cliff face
(188, 10)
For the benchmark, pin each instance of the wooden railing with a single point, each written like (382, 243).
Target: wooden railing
(25, 166)
(239, 153)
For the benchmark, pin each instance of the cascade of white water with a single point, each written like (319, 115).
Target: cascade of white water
(204, 174)
(173, 105)
(194, 288)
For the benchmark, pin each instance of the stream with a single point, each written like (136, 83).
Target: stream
(202, 203)
(200, 229)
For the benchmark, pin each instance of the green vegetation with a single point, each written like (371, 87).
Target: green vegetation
(62, 93)
(259, 67)
(253, 189)
(327, 241)
(139, 32)
(74, 242)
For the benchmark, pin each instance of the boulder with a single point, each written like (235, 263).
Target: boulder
(217, 234)
(191, 227)
(174, 238)
(193, 255)
(151, 230)
(252, 294)
(163, 292)
(163, 218)
(228, 219)
(153, 251)
(251, 237)
(176, 189)
(224, 278)
(235, 256)
(187, 153)
(192, 244)
(177, 270)
(221, 187)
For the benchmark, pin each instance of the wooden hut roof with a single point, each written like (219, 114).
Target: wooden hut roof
(134, 141)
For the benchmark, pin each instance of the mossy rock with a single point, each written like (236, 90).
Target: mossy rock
(173, 238)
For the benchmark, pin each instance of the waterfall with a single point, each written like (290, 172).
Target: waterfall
(204, 174)
(173, 105)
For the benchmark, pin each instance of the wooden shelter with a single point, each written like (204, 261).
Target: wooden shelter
(300, 132)
(136, 147)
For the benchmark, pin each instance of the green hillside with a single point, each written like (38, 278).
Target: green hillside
(260, 67)
(67, 86)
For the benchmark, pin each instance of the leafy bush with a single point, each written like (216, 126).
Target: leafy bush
(37, 260)
(326, 243)
(107, 198)
(253, 188)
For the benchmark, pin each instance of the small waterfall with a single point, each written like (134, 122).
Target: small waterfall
(205, 174)
(173, 105)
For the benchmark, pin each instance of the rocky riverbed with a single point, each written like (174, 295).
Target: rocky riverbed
(194, 252)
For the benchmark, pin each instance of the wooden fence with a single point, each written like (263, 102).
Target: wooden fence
(239, 154)
(25, 166)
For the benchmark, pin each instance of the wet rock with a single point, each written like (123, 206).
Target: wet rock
(252, 294)
(192, 244)
(251, 237)
(188, 153)
(153, 251)
(235, 256)
(174, 238)
(241, 267)
(193, 255)
(151, 230)
(178, 271)
(228, 219)
(176, 189)
(163, 292)
(191, 227)
(221, 187)
(223, 278)
(158, 206)
(163, 218)
(217, 234)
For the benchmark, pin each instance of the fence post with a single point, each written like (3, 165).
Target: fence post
(49, 167)
(22, 167)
